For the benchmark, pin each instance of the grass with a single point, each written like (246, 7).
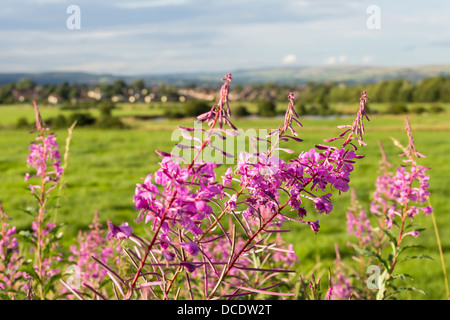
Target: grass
(105, 165)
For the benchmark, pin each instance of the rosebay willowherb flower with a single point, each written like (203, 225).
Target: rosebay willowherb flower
(11, 278)
(44, 157)
(203, 223)
(404, 192)
(93, 244)
(401, 193)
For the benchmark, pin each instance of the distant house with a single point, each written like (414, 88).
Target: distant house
(95, 94)
(25, 95)
(53, 98)
(118, 98)
(198, 93)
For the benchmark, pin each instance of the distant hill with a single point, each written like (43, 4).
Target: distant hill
(287, 75)
(348, 74)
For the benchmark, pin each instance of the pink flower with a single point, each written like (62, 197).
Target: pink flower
(170, 256)
(414, 233)
(314, 225)
(189, 266)
(226, 179)
(329, 293)
(427, 210)
(191, 247)
(122, 232)
(232, 202)
(43, 157)
(323, 204)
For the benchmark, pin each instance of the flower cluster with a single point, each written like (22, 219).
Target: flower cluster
(93, 243)
(401, 193)
(358, 223)
(42, 155)
(180, 200)
(404, 192)
(184, 201)
(266, 178)
(10, 259)
(341, 285)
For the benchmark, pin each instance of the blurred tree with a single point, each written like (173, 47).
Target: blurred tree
(301, 109)
(25, 84)
(118, 87)
(266, 108)
(397, 108)
(6, 95)
(63, 90)
(428, 90)
(445, 90)
(240, 111)
(139, 84)
(193, 108)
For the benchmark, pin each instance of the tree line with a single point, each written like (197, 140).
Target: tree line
(429, 90)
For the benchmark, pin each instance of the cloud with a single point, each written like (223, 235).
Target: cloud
(334, 60)
(150, 4)
(212, 35)
(367, 59)
(342, 58)
(289, 59)
(330, 60)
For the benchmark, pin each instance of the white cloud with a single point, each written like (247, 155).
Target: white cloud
(367, 59)
(300, 3)
(289, 59)
(335, 60)
(342, 58)
(330, 60)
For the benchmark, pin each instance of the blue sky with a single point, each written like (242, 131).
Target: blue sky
(171, 36)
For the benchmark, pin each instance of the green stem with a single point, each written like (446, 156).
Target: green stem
(441, 253)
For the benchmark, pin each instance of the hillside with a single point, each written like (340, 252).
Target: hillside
(287, 75)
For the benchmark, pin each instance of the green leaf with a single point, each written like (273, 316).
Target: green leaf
(365, 252)
(27, 236)
(4, 296)
(31, 212)
(410, 289)
(390, 235)
(422, 256)
(27, 267)
(411, 247)
(411, 225)
(390, 259)
(402, 276)
(50, 283)
(369, 253)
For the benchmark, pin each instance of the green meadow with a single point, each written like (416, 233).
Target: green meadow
(105, 165)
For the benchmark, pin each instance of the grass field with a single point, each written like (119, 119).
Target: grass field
(105, 165)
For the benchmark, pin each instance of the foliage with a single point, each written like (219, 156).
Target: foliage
(397, 108)
(241, 111)
(193, 108)
(266, 108)
(212, 236)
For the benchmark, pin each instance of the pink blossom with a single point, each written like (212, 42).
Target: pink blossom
(45, 158)
(314, 225)
(191, 247)
(122, 232)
